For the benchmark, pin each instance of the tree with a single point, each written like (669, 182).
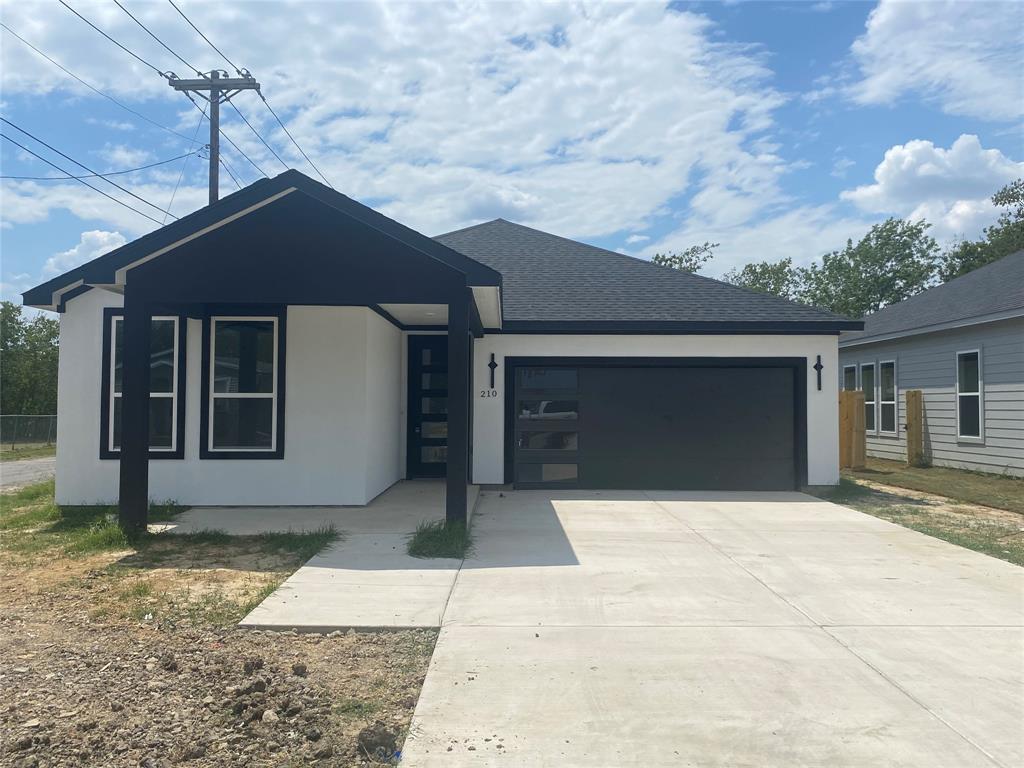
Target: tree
(28, 362)
(779, 278)
(893, 261)
(1004, 237)
(689, 260)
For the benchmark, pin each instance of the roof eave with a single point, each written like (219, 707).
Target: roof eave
(639, 327)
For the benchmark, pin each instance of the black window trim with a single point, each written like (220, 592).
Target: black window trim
(978, 439)
(279, 312)
(106, 452)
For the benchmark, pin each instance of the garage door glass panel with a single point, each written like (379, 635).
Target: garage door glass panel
(546, 410)
(547, 473)
(549, 441)
(547, 378)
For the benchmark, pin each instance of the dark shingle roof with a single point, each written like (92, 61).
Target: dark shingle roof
(995, 289)
(546, 278)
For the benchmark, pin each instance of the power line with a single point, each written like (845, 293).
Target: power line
(181, 173)
(93, 88)
(102, 175)
(227, 168)
(82, 181)
(257, 133)
(293, 138)
(229, 140)
(90, 170)
(150, 33)
(218, 50)
(115, 42)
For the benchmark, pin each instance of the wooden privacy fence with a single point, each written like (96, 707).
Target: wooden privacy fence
(852, 445)
(915, 428)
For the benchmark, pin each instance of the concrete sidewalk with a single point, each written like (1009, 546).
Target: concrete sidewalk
(664, 629)
(366, 580)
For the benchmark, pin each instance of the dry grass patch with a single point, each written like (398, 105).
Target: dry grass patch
(150, 669)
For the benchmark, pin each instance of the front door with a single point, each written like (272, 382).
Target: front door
(428, 406)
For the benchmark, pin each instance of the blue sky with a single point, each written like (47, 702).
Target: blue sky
(775, 129)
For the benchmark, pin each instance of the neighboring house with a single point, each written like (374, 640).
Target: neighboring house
(962, 345)
(323, 351)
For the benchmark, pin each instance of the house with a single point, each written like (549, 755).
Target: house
(962, 345)
(289, 346)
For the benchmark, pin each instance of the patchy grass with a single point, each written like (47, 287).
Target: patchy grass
(992, 531)
(28, 452)
(206, 578)
(438, 539)
(999, 491)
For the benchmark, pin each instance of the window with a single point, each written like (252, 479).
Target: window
(867, 384)
(243, 387)
(850, 378)
(166, 386)
(887, 396)
(969, 406)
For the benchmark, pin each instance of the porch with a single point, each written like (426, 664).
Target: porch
(300, 310)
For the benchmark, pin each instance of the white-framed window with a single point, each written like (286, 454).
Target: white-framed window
(850, 378)
(887, 397)
(868, 386)
(164, 378)
(970, 405)
(242, 414)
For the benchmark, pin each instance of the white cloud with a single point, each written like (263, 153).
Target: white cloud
(948, 187)
(632, 239)
(91, 245)
(965, 56)
(123, 157)
(840, 166)
(584, 119)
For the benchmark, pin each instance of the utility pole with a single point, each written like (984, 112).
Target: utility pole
(216, 90)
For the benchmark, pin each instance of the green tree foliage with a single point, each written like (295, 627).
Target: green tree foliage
(689, 260)
(28, 362)
(1004, 237)
(895, 260)
(779, 278)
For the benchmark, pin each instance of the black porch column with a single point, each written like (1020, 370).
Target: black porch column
(458, 408)
(133, 501)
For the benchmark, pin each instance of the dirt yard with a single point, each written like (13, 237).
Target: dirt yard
(118, 654)
(995, 532)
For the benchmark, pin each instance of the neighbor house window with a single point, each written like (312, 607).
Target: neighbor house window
(969, 405)
(166, 385)
(887, 397)
(243, 382)
(867, 384)
(850, 378)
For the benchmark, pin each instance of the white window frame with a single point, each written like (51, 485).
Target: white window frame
(874, 393)
(856, 377)
(113, 394)
(214, 395)
(980, 437)
(895, 402)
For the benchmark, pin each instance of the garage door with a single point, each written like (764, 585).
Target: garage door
(684, 426)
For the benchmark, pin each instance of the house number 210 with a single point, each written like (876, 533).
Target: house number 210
(488, 393)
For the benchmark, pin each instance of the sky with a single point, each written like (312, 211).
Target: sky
(776, 129)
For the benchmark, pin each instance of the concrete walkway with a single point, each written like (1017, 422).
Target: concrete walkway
(16, 474)
(366, 580)
(665, 629)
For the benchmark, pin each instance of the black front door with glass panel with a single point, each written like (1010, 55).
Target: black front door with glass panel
(428, 406)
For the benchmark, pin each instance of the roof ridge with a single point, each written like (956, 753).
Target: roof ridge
(470, 227)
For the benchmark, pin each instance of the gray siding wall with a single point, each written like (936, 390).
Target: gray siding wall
(928, 363)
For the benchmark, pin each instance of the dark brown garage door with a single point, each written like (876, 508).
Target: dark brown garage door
(684, 426)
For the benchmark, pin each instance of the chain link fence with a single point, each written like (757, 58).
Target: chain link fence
(21, 430)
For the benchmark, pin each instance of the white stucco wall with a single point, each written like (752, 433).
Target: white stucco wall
(822, 407)
(342, 390)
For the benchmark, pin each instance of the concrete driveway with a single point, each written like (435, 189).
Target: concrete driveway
(648, 629)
